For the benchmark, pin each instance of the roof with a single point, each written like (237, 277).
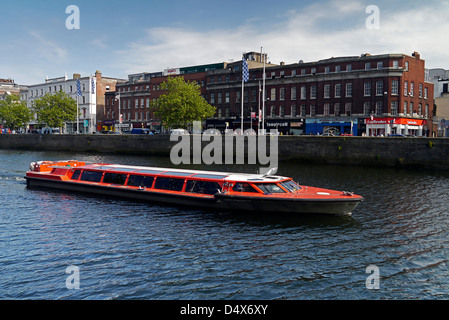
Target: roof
(216, 175)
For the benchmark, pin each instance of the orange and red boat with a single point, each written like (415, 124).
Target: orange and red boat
(208, 189)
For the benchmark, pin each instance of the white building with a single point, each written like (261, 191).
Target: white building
(87, 101)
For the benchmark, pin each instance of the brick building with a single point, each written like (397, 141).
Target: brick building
(367, 94)
(133, 99)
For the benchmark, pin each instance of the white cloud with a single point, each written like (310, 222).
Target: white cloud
(319, 31)
(48, 49)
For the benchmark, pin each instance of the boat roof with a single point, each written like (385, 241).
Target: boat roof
(215, 175)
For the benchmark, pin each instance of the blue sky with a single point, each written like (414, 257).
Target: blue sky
(124, 37)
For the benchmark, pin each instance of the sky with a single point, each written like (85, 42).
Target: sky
(125, 37)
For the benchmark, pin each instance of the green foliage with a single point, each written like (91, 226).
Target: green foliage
(182, 104)
(14, 113)
(55, 109)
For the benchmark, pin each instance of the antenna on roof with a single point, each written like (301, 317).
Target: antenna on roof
(271, 172)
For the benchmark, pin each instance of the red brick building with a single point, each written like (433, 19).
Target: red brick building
(367, 94)
(142, 91)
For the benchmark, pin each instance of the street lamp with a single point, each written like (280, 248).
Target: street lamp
(119, 115)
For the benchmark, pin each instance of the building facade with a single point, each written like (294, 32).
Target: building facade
(90, 99)
(132, 99)
(369, 94)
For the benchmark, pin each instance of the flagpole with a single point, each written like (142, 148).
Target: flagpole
(263, 96)
(77, 115)
(241, 119)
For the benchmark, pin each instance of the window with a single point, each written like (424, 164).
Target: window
(326, 109)
(367, 66)
(395, 64)
(140, 181)
(379, 88)
(327, 91)
(326, 70)
(282, 94)
(76, 175)
(395, 87)
(420, 90)
(405, 88)
(426, 90)
(406, 65)
(412, 88)
(405, 108)
(219, 97)
(348, 68)
(293, 93)
(348, 109)
(273, 94)
(411, 108)
(91, 176)
(270, 188)
(243, 187)
(420, 109)
(337, 109)
(115, 178)
(367, 89)
(312, 92)
(293, 111)
(379, 108)
(290, 186)
(303, 93)
(273, 111)
(303, 110)
(394, 108)
(172, 184)
(227, 97)
(338, 91)
(312, 110)
(204, 187)
(349, 90)
(427, 111)
(212, 98)
(337, 69)
(281, 111)
(380, 65)
(366, 108)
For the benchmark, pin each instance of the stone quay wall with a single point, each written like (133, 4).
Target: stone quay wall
(428, 153)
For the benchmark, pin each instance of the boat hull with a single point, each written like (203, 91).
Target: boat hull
(339, 206)
(220, 201)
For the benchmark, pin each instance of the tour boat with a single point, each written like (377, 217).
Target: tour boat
(207, 189)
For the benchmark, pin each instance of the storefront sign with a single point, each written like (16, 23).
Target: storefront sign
(404, 121)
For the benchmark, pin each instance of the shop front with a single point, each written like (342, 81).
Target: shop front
(378, 127)
(332, 126)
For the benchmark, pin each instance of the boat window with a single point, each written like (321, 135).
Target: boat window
(169, 184)
(92, 176)
(291, 186)
(206, 187)
(76, 174)
(115, 178)
(140, 181)
(270, 188)
(243, 187)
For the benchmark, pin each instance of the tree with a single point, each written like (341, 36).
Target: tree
(14, 113)
(182, 104)
(55, 109)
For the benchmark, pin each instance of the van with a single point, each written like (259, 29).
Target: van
(141, 131)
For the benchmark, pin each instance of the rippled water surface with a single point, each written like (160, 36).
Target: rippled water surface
(129, 250)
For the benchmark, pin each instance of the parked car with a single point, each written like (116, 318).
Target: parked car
(178, 131)
(141, 131)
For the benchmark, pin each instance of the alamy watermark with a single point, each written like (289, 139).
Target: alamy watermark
(373, 280)
(373, 20)
(189, 150)
(73, 20)
(73, 280)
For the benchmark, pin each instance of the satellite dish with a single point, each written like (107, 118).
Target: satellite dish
(271, 172)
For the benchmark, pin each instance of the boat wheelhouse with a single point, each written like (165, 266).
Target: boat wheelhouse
(207, 189)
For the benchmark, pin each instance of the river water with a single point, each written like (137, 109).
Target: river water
(394, 246)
